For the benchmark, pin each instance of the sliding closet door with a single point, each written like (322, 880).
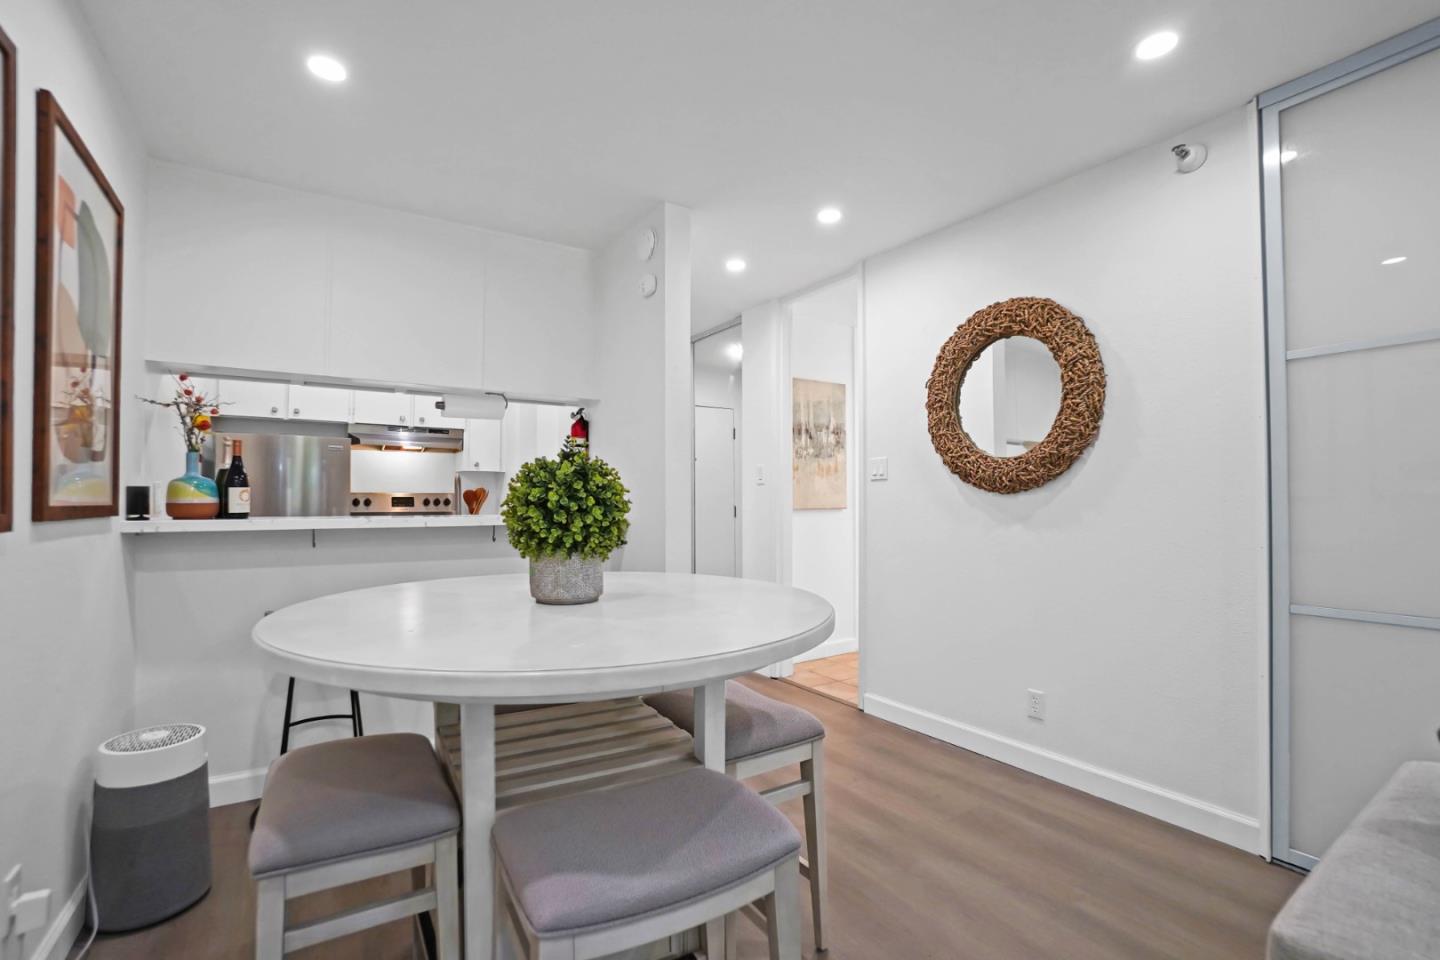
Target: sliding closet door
(1353, 274)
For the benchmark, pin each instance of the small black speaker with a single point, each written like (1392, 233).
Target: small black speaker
(137, 503)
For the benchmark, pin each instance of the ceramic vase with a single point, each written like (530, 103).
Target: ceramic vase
(559, 579)
(193, 496)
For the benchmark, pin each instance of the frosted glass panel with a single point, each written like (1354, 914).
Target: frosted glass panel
(1363, 701)
(1365, 480)
(1359, 190)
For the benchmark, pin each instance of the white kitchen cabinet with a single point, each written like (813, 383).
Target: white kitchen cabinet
(390, 409)
(407, 298)
(236, 273)
(427, 416)
(532, 430)
(327, 404)
(482, 446)
(251, 398)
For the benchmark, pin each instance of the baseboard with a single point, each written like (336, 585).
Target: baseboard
(227, 788)
(61, 936)
(831, 648)
(1191, 813)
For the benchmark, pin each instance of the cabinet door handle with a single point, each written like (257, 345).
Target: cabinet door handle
(274, 409)
(422, 419)
(402, 419)
(296, 412)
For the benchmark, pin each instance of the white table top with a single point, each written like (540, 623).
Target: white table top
(484, 638)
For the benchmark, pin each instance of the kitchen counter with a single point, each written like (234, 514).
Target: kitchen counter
(262, 524)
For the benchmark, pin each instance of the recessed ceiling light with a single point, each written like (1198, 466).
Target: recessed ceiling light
(735, 265)
(830, 215)
(1386, 263)
(1157, 45)
(735, 351)
(327, 68)
(1287, 155)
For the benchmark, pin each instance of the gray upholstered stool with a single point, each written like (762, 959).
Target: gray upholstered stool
(339, 812)
(596, 873)
(762, 734)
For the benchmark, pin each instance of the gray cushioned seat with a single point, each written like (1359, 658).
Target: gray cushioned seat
(340, 799)
(754, 723)
(595, 859)
(1376, 892)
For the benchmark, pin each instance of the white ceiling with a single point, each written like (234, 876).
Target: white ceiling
(567, 119)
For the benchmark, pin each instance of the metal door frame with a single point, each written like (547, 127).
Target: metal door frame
(1413, 43)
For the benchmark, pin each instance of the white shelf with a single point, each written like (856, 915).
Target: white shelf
(265, 524)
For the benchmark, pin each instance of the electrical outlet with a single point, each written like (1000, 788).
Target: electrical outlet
(32, 911)
(1035, 704)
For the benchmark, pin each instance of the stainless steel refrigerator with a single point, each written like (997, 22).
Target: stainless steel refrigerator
(291, 475)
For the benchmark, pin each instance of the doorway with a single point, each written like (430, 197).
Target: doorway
(718, 361)
(1354, 347)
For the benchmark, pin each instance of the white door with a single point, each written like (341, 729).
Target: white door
(252, 398)
(716, 514)
(1355, 384)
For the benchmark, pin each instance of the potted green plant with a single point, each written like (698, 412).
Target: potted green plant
(566, 515)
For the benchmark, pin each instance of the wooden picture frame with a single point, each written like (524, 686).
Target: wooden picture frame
(1082, 394)
(8, 75)
(79, 249)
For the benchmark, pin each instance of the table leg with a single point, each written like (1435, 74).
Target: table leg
(477, 775)
(710, 724)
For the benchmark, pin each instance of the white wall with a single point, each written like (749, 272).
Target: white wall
(255, 277)
(1132, 590)
(196, 597)
(65, 677)
(644, 423)
(764, 445)
(822, 545)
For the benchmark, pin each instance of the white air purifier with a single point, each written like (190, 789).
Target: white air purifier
(150, 837)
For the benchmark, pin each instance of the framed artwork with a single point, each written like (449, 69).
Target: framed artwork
(79, 226)
(818, 428)
(7, 281)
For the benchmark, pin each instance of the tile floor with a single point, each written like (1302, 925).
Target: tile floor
(836, 677)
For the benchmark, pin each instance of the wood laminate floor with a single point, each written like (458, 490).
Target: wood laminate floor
(935, 853)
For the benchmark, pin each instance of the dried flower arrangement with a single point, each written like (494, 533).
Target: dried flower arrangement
(194, 410)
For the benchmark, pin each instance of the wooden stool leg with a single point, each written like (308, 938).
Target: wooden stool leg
(813, 771)
(782, 913)
(270, 919)
(447, 899)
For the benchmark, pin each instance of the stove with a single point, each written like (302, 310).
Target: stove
(401, 504)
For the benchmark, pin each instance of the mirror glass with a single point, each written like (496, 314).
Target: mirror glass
(1010, 396)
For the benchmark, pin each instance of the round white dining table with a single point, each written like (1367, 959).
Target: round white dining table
(479, 641)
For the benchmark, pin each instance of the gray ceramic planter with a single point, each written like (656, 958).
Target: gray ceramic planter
(563, 580)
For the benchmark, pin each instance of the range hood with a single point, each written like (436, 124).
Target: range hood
(401, 437)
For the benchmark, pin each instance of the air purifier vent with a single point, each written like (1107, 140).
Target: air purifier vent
(152, 738)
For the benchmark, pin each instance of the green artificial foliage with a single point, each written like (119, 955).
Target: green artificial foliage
(573, 505)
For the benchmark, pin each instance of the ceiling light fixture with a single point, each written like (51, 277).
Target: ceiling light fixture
(1287, 155)
(735, 265)
(735, 351)
(830, 216)
(1393, 260)
(1157, 45)
(327, 68)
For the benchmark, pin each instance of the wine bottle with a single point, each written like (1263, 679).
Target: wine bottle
(237, 485)
(224, 464)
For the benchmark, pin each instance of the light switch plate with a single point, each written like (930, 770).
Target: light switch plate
(879, 468)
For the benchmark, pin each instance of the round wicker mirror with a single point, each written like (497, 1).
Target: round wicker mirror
(1082, 394)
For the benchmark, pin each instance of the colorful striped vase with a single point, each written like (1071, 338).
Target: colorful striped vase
(193, 496)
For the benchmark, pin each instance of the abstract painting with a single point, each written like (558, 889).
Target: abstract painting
(818, 428)
(79, 226)
(7, 279)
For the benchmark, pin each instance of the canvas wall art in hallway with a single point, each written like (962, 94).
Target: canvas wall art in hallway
(818, 427)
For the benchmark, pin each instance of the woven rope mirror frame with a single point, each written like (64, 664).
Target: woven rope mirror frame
(1082, 394)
